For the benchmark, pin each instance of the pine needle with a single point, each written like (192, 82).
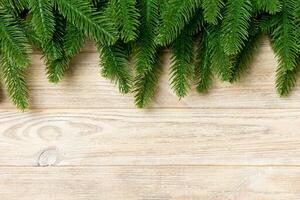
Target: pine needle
(115, 66)
(235, 25)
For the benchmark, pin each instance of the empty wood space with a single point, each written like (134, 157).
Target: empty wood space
(83, 140)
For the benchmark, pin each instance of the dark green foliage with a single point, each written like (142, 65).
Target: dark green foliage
(286, 79)
(81, 15)
(203, 67)
(297, 24)
(174, 17)
(235, 25)
(27, 28)
(115, 65)
(15, 7)
(13, 43)
(182, 50)
(145, 85)
(14, 77)
(283, 36)
(56, 60)
(42, 18)
(146, 58)
(219, 60)
(14, 58)
(182, 64)
(212, 10)
(146, 49)
(127, 18)
(270, 6)
(73, 40)
(227, 33)
(242, 61)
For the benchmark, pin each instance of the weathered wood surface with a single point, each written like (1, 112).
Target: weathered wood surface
(152, 137)
(83, 140)
(150, 183)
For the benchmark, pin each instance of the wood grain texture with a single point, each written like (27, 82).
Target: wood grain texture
(152, 137)
(84, 88)
(150, 183)
(238, 142)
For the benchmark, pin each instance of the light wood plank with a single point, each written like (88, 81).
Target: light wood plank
(150, 183)
(84, 88)
(151, 137)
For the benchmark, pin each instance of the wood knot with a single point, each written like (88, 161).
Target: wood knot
(48, 157)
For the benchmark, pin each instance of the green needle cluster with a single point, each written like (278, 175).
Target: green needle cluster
(206, 38)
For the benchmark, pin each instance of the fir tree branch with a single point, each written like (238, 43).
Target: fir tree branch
(176, 14)
(146, 57)
(30, 34)
(56, 60)
(212, 10)
(196, 24)
(73, 40)
(91, 22)
(203, 69)
(14, 77)
(235, 25)
(182, 64)
(146, 49)
(286, 79)
(270, 6)
(115, 65)
(297, 24)
(219, 60)
(99, 4)
(13, 43)
(15, 7)
(127, 18)
(283, 37)
(42, 18)
(245, 57)
(242, 61)
(145, 85)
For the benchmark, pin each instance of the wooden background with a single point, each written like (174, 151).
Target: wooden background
(83, 140)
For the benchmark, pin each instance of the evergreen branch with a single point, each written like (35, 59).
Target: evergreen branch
(127, 18)
(115, 65)
(196, 24)
(91, 22)
(242, 61)
(182, 64)
(14, 77)
(297, 24)
(245, 57)
(203, 69)
(15, 7)
(235, 25)
(13, 43)
(73, 40)
(56, 69)
(270, 6)
(146, 49)
(286, 79)
(42, 18)
(56, 60)
(173, 19)
(30, 33)
(219, 60)
(283, 37)
(99, 4)
(212, 10)
(145, 86)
